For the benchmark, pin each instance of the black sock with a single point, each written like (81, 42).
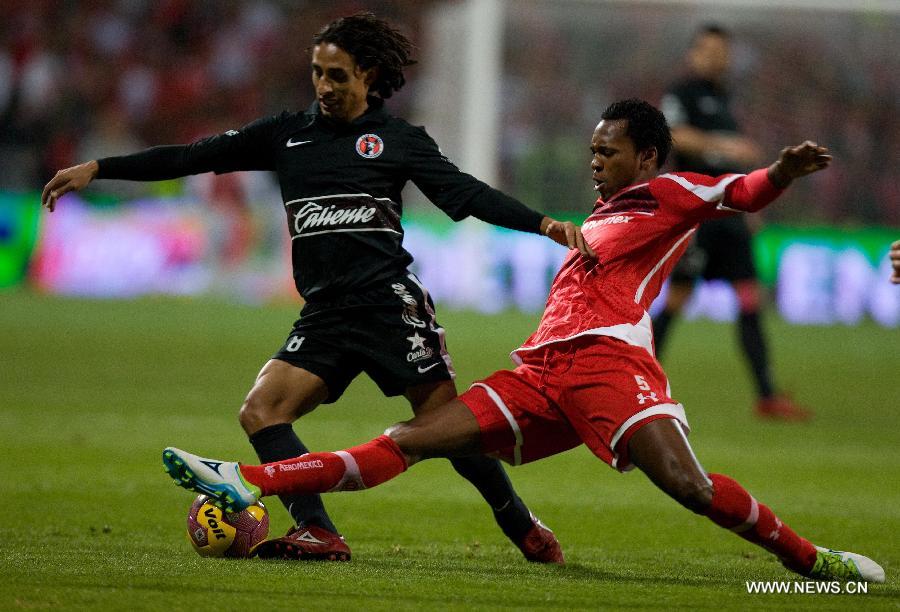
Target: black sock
(661, 330)
(279, 442)
(755, 349)
(491, 480)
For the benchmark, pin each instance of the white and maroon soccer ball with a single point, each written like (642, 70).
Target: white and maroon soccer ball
(215, 533)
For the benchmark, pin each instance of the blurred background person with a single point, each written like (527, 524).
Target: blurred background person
(708, 140)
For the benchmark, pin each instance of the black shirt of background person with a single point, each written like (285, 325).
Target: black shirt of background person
(702, 104)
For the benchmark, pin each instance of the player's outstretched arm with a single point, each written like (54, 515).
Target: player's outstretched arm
(758, 189)
(567, 234)
(895, 262)
(71, 179)
(794, 162)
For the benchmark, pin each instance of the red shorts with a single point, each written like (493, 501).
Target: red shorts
(593, 390)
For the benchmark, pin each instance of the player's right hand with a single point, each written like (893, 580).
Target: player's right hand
(70, 179)
(794, 162)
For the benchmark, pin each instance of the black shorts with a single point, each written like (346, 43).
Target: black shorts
(389, 332)
(722, 249)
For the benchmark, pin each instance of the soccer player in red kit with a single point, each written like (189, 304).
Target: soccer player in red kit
(588, 375)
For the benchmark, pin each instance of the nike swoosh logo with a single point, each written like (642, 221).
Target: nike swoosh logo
(291, 143)
(423, 370)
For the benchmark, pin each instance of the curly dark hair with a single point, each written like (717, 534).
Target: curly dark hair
(647, 126)
(371, 42)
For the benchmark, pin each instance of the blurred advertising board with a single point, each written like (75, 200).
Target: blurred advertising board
(154, 246)
(829, 275)
(122, 251)
(818, 275)
(19, 217)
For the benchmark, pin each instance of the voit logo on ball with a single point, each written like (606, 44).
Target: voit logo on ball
(369, 146)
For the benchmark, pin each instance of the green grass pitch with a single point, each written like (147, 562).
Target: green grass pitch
(91, 391)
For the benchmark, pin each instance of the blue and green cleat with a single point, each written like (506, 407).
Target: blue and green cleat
(222, 481)
(845, 567)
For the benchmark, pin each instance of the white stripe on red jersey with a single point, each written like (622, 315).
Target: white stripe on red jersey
(707, 193)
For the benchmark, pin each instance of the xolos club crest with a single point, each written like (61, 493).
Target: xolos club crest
(369, 146)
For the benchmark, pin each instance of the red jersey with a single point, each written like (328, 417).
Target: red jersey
(638, 235)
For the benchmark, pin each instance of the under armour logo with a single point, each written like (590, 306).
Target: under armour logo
(213, 465)
(642, 399)
(777, 531)
(269, 470)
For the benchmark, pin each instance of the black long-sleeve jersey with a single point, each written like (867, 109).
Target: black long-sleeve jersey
(341, 185)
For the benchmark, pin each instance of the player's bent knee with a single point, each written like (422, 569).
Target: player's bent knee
(450, 430)
(402, 435)
(249, 418)
(255, 415)
(390, 431)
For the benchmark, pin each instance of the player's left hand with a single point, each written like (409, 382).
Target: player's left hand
(895, 262)
(794, 162)
(567, 234)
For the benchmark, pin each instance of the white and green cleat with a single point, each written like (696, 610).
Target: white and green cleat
(222, 481)
(845, 566)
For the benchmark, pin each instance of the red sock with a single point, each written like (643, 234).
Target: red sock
(735, 509)
(360, 467)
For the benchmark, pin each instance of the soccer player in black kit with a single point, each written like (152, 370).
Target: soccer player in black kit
(708, 141)
(341, 165)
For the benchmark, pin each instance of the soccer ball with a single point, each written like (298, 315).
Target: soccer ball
(215, 533)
